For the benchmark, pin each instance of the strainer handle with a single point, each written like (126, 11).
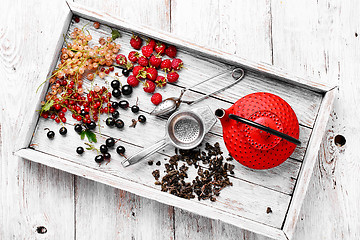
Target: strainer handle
(145, 153)
(265, 129)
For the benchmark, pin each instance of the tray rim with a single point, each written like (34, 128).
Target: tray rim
(290, 220)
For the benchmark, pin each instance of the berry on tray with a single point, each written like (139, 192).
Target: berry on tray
(171, 51)
(136, 42)
(156, 98)
(149, 86)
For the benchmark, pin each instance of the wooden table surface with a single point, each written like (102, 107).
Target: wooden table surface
(316, 39)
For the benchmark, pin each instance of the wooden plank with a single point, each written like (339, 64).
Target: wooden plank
(308, 165)
(30, 193)
(220, 29)
(304, 102)
(127, 214)
(281, 178)
(141, 174)
(199, 50)
(114, 181)
(122, 214)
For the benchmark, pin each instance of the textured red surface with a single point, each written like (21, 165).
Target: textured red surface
(255, 148)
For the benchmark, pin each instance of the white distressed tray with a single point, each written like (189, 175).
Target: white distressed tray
(244, 204)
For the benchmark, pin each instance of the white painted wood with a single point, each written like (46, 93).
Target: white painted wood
(267, 70)
(229, 201)
(114, 181)
(128, 215)
(245, 214)
(309, 162)
(32, 195)
(332, 196)
(325, 44)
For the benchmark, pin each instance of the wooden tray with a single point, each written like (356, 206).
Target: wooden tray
(244, 204)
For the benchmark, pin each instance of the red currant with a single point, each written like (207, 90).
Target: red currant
(57, 120)
(78, 118)
(57, 106)
(63, 120)
(52, 116)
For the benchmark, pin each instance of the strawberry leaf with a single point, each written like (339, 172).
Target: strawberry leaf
(47, 105)
(115, 34)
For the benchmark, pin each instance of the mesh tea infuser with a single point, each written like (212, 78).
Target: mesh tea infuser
(260, 130)
(184, 130)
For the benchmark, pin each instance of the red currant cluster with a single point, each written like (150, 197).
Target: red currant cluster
(83, 108)
(78, 59)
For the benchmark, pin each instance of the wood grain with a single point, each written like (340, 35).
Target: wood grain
(306, 38)
(28, 190)
(123, 224)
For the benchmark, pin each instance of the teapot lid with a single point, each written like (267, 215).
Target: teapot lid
(253, 147)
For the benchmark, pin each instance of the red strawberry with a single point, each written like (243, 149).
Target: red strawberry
(160, 48)
(151, 73)
(156, 98)
(151, 43)
(133, 56)
(160, 81)
(143, 61)
(147, 50)
(121, 59)
(171, 51)
(172, 76)
(149, 86)
(132, 81)
(166, 65)
(138, 70)
(136, 42)
(177, 64)
(155, 61)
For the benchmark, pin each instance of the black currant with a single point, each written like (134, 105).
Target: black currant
(80, 150)
(135, 109)
(110, 142)
(142, 118)
(50, 134)
(115, 84)
(78, 128)
(107, 156)
(115, 105)
(110, 121)
(63, 131)
(99, 158)
(103, 149)
(127, 89)
(116, 93)
(115, 114)
(119, 123)
(120, 150)
(91, 125)
(124, 104)
(126, 72)
(83, 113)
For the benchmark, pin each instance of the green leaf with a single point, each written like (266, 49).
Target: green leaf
(115, 34)
(89, 148)
(91, 136)
(47, 105)
(82, 135)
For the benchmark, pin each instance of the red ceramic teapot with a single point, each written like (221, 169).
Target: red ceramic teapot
(260, 130)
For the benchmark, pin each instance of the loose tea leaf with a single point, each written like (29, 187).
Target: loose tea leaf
(211, 178)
